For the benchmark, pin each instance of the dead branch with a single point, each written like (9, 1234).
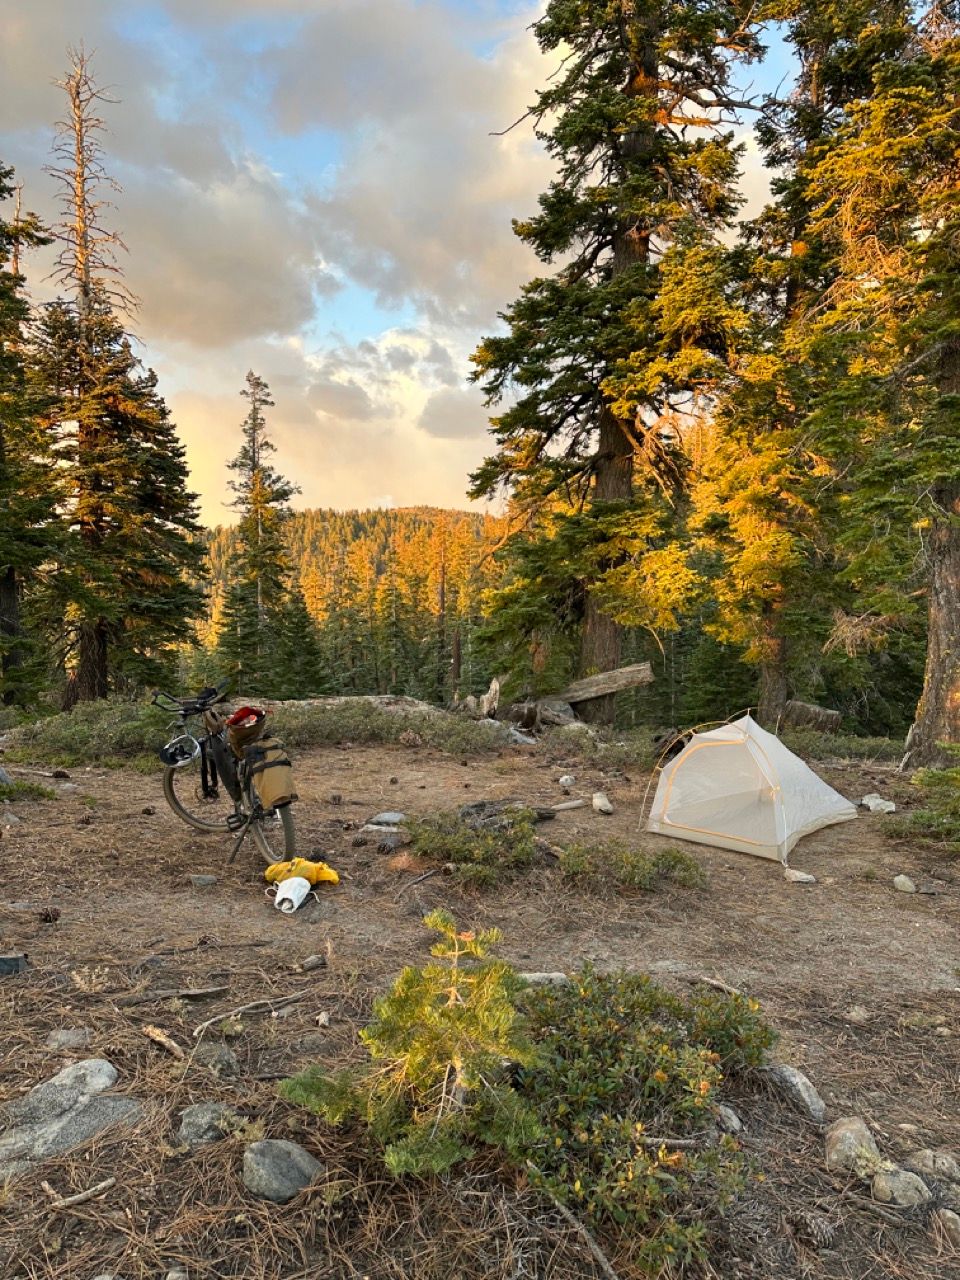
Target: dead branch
(65, 1202)
(254, 1006)
(160, 1037)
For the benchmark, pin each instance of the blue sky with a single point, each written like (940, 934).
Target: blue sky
(311, 190)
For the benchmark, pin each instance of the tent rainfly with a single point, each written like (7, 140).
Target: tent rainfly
(738, 787)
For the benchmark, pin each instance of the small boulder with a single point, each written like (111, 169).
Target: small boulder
(8, 819)
(521, 739)
(12, 962)
(219, 1057)
(277, 1170)
(567, 780)
(904, 884)
(936, 1164)
(391, 818)
(62, 1113)
(727, 1119)
(69, 1038)
(877, 804)
(850, 1147)
(798, 877)
(205, 1122)
(204, 882)
(949, 1223)
(601, 803)
(899, 1187)
(5, 779)
(793, 1084)
(544, 979)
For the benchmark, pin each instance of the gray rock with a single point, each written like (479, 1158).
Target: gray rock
(544, 979)
(12, 962)
(567, 780)
(793, 1084)
(949, 1223)
(897, 1186)
(858, 1015)
(69, 1038)
(601, 802)
(391, 818)
(219, 1057)
(204, 882)
(178, 1273)
(67, 788)
(5, 779)
(555, 711)
(205, 1122)
(62, 1113)
(904, 884)
(727, 1119)
(277, 1170)
(851, 1148)
(937, 1164)
(521, 739)
(8, 819)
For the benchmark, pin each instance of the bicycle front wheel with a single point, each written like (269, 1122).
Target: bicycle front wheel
(275, 834)
(183, 789)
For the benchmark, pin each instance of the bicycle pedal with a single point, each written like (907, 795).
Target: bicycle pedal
(236, 822)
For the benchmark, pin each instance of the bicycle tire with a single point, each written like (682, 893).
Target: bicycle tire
(267, 851)
(219, 827)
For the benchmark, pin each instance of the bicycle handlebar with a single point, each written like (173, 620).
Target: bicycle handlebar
(200, 702)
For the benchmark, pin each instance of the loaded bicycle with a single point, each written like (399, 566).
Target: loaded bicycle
(227, 774)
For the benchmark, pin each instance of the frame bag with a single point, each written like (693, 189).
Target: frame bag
(270, 772)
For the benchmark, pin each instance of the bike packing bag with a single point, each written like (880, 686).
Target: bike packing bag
(245, 726)
(270, 772)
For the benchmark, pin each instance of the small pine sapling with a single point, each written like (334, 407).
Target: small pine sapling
(438, 1043)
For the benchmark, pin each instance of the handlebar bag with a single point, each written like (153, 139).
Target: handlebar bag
(270, 772)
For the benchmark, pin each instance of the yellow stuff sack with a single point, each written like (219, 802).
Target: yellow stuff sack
(315, 872)
(270, 772)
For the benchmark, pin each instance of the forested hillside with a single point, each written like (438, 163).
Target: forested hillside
(396, 596)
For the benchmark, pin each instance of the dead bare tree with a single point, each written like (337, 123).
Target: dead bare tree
(87, 263)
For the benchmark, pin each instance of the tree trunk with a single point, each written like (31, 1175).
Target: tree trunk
(773, 674)
(91, 679)
(601, 638)
(10, 631)
(938, 712)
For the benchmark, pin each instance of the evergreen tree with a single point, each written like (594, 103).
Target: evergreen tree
(127, 587)
(888, 202)
(29, 481)
(126, 590)
(612, 352)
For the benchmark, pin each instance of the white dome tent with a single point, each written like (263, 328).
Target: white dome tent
(738, 787)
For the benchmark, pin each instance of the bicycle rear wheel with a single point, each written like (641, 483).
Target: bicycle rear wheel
(275, 834)
(183, 789)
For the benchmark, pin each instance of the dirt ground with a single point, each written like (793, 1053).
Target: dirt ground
(114, 862)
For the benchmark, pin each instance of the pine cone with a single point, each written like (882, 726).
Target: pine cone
(358, 841)
(811, 1228)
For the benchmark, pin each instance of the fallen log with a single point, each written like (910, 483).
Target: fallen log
(807, 715)
(605, 682)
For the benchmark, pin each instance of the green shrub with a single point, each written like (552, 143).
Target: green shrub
(939, 819)
(25, 791)
(111, 732)
(438, 1041)
(310, 726)
(621, 1065)
(604, 747)
(812, 744)
(616, 864)
(482, 855)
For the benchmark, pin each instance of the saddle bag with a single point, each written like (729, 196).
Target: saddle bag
(268, 767)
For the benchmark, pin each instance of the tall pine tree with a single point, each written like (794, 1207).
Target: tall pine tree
(30, 533)
(604, 367)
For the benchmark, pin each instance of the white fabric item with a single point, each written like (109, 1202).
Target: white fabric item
(291, 893)
(738, 787)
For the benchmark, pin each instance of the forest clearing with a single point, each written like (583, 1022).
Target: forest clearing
(479, 640)
(860, 982)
